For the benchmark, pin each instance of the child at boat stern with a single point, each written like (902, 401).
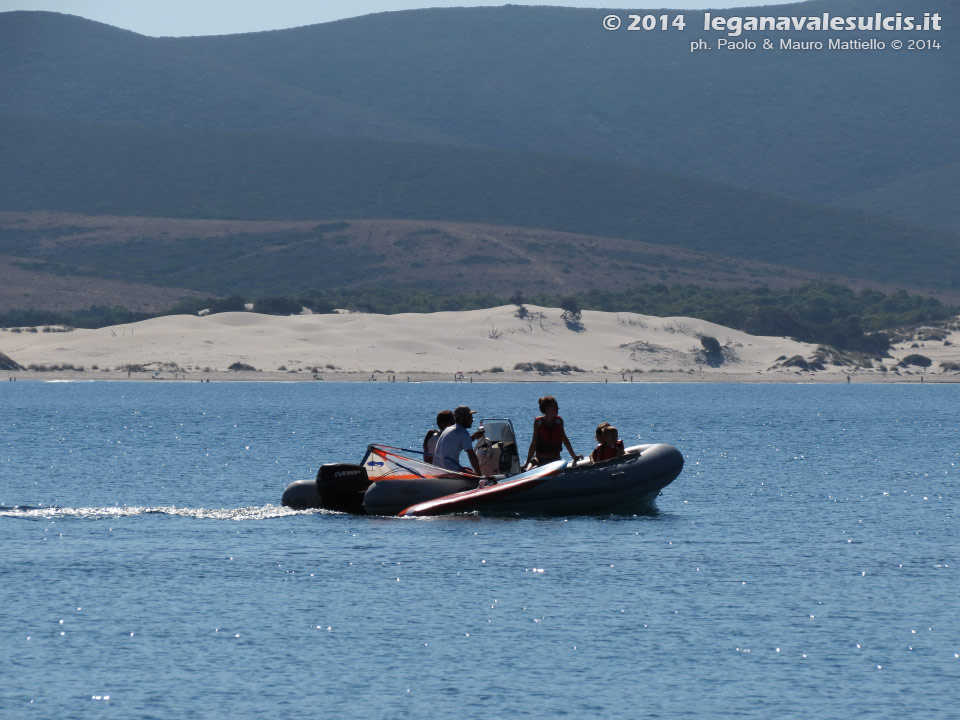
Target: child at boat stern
(600, 428)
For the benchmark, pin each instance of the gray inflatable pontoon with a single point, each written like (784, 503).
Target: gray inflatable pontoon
(386, 483)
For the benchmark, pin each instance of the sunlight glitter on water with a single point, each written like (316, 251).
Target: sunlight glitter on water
(744, 549)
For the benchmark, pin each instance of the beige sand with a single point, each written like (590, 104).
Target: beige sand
(357, 346)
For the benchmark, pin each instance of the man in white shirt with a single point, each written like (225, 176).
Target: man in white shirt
(456, 439)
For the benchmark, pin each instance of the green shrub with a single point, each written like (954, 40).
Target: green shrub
(916, 360)
(239, 366)
(277, 306)
(546, 368)
(712, 350)
(7, 363)
(572, 312)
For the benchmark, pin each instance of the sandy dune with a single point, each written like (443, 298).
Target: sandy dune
(439, 345)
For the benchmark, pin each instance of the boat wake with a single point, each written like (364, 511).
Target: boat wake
(266, 512)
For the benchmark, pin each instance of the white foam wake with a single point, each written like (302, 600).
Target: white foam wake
(265, 512)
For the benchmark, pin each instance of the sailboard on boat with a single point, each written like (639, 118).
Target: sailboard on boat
(470, 500)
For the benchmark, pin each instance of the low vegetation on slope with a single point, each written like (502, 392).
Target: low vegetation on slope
(71, 167)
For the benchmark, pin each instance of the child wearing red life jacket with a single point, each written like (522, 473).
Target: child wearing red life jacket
(549, 437)
(610, 445)
(600, 428)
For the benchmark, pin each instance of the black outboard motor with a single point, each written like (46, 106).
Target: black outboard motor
(341, 487)
(338, 486)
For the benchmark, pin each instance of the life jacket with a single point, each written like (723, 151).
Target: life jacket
(602, 452)
(549, 437)
(430, 444)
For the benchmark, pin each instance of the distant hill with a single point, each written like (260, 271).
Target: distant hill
(179, 173)
(26, 283)
(84, 257)
(840, 164)
(917, 198)
(62, 66)
(813, 126)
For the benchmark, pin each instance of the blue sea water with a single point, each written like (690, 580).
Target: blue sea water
(804, 564)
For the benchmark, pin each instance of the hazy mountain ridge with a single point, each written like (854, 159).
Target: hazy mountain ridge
(66, 67)
(515, 116)
(917, 198)
(551, 80)
(182, 173)
(516, 77)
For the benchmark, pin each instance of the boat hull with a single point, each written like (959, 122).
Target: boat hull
(623, 485)
(389, 497)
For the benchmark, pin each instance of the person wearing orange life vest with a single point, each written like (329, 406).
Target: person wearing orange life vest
(549, 437)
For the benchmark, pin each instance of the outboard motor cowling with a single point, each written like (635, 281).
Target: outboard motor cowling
(341, 486)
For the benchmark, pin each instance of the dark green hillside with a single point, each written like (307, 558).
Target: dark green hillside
(916, 199)
(61, 66)
(524, 116)
(130, 171)
(74, 253)
(813, 126)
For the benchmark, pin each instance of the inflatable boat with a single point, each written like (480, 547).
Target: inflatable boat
(395, 481)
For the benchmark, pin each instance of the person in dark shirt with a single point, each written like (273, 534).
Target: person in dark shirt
(444, 420)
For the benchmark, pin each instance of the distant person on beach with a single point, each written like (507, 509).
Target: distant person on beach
(444, 420)
(457, 439)
(549, 437)
(609, 446)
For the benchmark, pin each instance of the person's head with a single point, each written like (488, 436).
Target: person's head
(463, 415)
(610, 435)
(600, 428)
(549, 406)
(445, 419)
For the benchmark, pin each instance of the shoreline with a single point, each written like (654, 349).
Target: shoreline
(806, 378)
